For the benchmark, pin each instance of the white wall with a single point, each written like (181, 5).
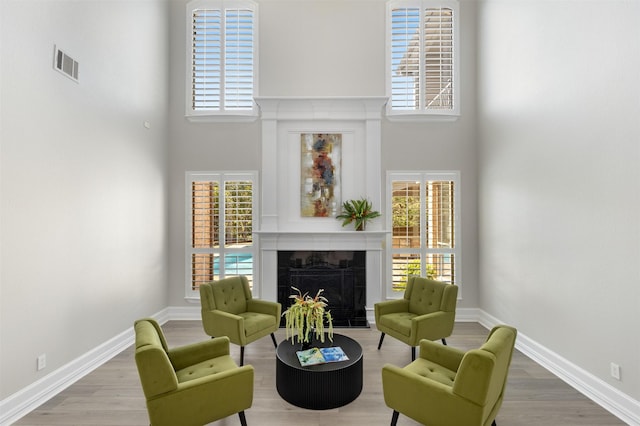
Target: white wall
(559, 182)
(83, 215)
(322, 48)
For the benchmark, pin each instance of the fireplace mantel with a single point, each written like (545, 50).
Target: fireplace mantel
(371, 242)
(341, 240)
(281, 226)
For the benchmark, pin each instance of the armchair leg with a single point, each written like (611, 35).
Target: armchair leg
(394, 418)
(243, 419)
(444, 342)
(273, 338)
(413, 353)
(381, 339)
(241, 356)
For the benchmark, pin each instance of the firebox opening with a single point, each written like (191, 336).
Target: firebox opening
(341, 274)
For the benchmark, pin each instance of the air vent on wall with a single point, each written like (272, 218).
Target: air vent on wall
(65, 64)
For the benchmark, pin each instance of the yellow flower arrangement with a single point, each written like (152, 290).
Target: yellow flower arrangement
(305, 314)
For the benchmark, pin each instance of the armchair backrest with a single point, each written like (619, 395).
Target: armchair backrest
(228, 295)
(426, 296)
(154, 367)
(482, 375)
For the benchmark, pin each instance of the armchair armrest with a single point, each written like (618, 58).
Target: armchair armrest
(474, 376)
(229, 391)
(390, 307)
(225, 381)
(437, 324)
(223, 323)
(446, 356)
(264, 307)
(184, 356)
(407, 392)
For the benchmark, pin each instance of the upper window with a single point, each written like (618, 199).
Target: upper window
(425, 230)
(220, 216)
(221, 58)
(422, 49)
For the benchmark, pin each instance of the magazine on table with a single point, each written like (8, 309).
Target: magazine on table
(315, 356)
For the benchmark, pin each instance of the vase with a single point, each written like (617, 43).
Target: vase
(306, 345)
(360, 226)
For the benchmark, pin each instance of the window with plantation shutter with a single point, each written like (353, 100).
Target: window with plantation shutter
(220, 213)
(421, 58)
(221, 58)
(424, 227)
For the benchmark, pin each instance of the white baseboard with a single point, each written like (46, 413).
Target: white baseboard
(185, 313)
(37, 393)
(31, 397)
(611, 399)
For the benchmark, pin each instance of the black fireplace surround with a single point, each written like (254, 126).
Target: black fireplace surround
(341, 274)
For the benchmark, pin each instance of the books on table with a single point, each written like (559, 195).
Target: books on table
(315, 356)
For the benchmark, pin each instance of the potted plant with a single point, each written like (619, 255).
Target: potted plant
(306, 318)
(358, 211)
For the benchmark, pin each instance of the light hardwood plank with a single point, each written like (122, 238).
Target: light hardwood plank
(112, 396)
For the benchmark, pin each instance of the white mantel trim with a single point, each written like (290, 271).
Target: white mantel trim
(372, 242)
(280, 228)
(321, 108)
(323, 241)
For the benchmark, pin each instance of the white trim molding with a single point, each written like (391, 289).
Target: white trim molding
(37, 393)
(611, 399)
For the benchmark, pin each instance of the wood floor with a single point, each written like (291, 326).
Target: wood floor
(112, 395)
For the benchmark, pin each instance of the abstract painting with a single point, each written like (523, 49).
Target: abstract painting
(320, 174)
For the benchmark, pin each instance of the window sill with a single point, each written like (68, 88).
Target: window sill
(222, 118)
(422, 118)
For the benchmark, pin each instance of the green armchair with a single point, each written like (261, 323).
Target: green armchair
(228, 309)
(446, 386)
(427, 311)
(190, 385)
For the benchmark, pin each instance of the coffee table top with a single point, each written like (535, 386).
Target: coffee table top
(286, 353)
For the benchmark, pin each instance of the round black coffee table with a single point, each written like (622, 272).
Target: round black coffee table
(321, 386)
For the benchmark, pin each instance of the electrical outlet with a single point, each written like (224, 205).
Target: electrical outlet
(615, 371)
(42, 361)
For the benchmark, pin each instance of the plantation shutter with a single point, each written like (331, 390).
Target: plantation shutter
(206, 61)
(405, 58)
(422, 58)
(205, 230)
(222, 61)
(424, 227)
(239, 47)
(238, 213)
(440, 214)
(221, 213)
(438, 58)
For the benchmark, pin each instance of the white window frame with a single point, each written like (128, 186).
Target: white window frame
(220, 177)
(422, 177)
(422, 113)
(222, 114)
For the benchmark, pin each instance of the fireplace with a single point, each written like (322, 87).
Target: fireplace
(283, 227)
(341, 274)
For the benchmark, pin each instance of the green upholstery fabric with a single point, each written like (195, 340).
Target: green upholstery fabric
(189, 385)
(446, 386)
(228, 309)
(427, 311)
